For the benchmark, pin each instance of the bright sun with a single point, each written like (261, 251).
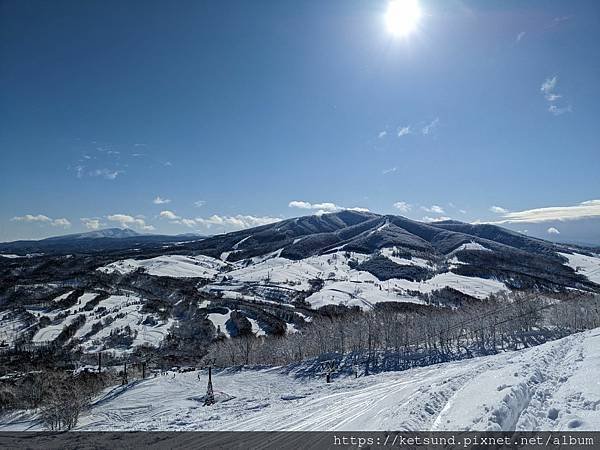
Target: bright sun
(402, 16)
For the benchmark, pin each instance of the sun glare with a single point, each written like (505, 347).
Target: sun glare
(402, 17)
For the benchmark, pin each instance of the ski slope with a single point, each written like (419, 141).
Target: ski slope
(115, 313)
(343, 285)
(177, 266)
(554, 386)
(588, 266)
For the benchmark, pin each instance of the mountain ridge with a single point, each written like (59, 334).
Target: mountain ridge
(273, 278)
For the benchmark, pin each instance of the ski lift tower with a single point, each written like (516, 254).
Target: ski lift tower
(209, 399)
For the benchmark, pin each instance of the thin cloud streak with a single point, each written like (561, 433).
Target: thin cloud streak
(584, 210)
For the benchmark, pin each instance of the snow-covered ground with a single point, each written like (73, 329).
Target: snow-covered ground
(588, 266)
(343, 284)
(388, 252)
(471, 246)
(117, 312)
(350, 287)
(374, 291)
(219, 321)
(554, 386)
(178, 266)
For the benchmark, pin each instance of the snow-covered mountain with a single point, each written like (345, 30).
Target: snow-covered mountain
(273, 279)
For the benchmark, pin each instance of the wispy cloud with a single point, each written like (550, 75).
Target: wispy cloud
(91, 223)
(161, 201)
(520, 36)
(111, 160)
(382, 134)
(388, 171)
(548, 90)
(32, 218)
(453, 206)
(548, 86)
(403, 207)
(433, 209)
(430, 127)
(41, 218)
(558, 21)
(498, 210)
(322, 208)
(404, 131)
(128, 221)
(422, 128)
(583, 210)
(62, 222)
(560, 111)
(199, 203)
(552, 230)
(106, 173)
(434, 219)
(188, 222)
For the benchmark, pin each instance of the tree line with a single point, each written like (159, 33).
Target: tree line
(388, 338)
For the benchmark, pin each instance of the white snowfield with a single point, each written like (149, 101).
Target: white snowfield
(588, 266)
(178, 266)
(554, 386)
(219, 321)
(343, 285)
(471, 246)
(388, 252)
(350, 287)
(119, 311)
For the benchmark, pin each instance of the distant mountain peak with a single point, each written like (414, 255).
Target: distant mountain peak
(115, 233)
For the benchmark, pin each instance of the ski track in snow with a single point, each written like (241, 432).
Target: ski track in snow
(553, 386)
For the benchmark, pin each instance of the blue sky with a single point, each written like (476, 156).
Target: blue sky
(211, 116)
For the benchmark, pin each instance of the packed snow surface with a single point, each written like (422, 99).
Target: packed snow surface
(554, 386)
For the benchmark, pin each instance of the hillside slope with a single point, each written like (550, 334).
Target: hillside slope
(543, 388)
(549, 387)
